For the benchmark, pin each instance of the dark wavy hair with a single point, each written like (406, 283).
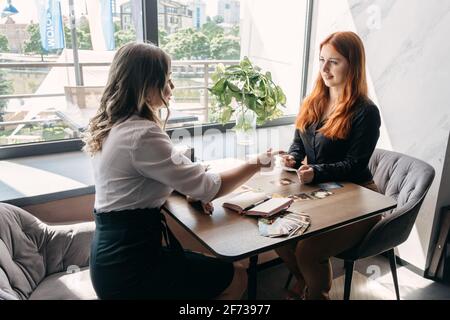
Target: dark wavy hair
(135, 70)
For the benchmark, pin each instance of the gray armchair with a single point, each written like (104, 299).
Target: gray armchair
(39, 261)
(407, 180)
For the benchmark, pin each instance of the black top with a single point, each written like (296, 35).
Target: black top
(340, 160)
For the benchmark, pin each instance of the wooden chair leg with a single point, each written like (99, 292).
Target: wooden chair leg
(348, 265)
(392, 262)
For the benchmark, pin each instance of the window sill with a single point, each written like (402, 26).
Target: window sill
(39, 179)
(69, 145)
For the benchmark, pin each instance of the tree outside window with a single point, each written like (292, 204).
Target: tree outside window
(4, 45)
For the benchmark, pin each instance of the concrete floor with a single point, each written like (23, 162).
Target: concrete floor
(372, 280)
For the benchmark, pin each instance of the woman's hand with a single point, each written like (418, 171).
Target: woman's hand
(287, 160)
(207, 208)
(266, 159)
(306, 174)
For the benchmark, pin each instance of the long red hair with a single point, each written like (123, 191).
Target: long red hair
(349, 45)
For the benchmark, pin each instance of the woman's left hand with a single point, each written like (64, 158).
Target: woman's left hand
(306, 174)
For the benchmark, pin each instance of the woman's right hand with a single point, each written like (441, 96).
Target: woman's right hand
(287, 160)
(266, 159)
(206, 208)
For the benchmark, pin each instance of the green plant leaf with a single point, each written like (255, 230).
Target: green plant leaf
(220, 68)
(233, 87)
(245, 63)
(281, 96)
(250, 102)
(219, 87)
(217, 74)
(227, 99)
(250, 87)
(260, 91)
(225, 117)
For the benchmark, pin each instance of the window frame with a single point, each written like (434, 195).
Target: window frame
(150, 32)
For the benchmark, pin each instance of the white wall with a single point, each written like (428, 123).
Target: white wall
(272, 37)
(408, 68)
(331, 16)
(408, 55)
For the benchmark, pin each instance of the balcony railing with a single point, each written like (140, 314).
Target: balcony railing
(181, 68)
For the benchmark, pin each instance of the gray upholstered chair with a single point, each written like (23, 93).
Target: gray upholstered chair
(407, 180)
(39, 261)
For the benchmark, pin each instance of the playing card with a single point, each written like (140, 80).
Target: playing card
(320, 194)
(330, 185)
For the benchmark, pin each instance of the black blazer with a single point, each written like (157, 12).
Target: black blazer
(341, 160)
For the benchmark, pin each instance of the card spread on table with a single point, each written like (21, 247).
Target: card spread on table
(287, 224)
(314, 195)
(330, 185)
(283, 182)
(320, 194)
(300, 197)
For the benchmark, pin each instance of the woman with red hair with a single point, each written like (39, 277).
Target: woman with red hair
(337, 130)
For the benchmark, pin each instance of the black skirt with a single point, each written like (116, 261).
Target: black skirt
(128, 261)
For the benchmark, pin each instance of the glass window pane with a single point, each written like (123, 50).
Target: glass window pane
(46, 91)
(273, 37)
(208, 32)
(45, 98)
(197, 34)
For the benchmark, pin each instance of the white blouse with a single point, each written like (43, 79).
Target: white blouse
(138, 167)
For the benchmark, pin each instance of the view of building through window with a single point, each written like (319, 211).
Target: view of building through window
(50, 88)
(197, 34)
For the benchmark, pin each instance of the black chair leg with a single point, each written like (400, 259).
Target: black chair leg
(392, 262)
(348, 265)
(288, 281)
(252, 278)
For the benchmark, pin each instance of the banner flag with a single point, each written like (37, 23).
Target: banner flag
(50, 24)
(101, 24)
(107, 24)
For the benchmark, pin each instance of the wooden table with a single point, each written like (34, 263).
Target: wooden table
(233, 237)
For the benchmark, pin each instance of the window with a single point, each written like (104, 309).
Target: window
(225, 31)
(212, 37)
(274, 40)
(40, 101)
(171, 10)
(44, 95)
(198, 17)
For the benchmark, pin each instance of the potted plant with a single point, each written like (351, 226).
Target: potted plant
(248, 94)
